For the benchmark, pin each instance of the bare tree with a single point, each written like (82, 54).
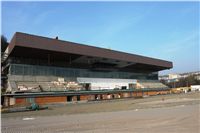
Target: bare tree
(4, 43)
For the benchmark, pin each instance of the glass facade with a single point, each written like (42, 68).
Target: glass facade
(38, 70)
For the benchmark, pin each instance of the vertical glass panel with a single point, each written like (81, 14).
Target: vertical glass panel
(51, 71)
(21, 69)
(27, 70)
(12, 69)
(18, 70)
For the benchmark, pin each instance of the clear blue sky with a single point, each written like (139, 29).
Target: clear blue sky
(164, 30)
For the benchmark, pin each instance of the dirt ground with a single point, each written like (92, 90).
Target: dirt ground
(177, 113)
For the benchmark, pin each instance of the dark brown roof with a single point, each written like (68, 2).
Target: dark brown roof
(44, 43)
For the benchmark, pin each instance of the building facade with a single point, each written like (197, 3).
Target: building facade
(40, 64)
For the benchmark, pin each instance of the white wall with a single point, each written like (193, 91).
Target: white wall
(106, 83)
(195, 87)
(101, 85)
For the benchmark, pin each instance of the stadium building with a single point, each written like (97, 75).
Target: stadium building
(45, 70)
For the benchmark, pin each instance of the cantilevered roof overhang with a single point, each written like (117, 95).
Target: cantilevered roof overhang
(25, 44)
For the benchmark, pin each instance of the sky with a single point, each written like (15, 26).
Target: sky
(163, 30)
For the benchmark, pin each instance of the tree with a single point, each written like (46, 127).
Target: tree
(183, 82)
(4, 43)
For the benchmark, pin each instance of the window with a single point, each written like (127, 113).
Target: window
(21, 69)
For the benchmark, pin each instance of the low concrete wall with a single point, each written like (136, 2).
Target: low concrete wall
(52, 99)
(23, 101)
